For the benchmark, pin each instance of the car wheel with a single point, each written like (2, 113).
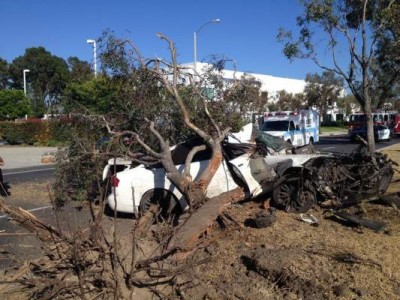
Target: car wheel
(288, 195)
(311, 141)
(164, 201)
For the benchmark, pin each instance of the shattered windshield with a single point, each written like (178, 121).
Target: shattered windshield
(277, 144)
(275, 126)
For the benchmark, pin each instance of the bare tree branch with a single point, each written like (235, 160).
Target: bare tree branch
(189, 158)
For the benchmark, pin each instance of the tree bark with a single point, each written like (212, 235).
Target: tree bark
(365, 84)
(188, 235)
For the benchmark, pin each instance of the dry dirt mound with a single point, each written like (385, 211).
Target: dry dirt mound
(295, 260)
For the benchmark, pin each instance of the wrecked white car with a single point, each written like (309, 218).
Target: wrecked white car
(343, 179)
(253, 167)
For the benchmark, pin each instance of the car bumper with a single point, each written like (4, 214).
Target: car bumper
(121, 206)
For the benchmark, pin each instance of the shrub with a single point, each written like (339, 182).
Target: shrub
(79, 164)
(49, 133)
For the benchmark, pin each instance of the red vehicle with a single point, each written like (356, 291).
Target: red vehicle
(379, 118)
(396, 124)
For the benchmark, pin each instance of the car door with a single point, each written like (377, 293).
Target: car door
(241, 168)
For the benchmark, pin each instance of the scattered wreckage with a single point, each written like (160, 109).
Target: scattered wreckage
(344, 180)
(298, 178)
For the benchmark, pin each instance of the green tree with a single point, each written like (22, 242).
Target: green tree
(349, 26)
(46, 80)
(289, 101)
(387, 64)
(348, 104)
(13, 104)
(4, 76)
(322, 91)
(239, 99)
(94, 96)
(80, 71)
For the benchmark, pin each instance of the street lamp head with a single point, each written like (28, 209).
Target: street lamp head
(215, 21)
(26, 70)
(90, 41)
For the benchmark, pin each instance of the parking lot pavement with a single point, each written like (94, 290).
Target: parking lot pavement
(22, 156)
(341, 132)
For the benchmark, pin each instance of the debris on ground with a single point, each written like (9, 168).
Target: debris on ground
(265, 219)
(355, 220)
(344, 180)
(391, 199)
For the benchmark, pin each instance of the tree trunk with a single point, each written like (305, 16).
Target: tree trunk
(188, 235)
(370, 126)
(365, 83)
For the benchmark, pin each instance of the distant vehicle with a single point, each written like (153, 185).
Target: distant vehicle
(381, 133)
(378, 118)
(298, 128)
(396, 124)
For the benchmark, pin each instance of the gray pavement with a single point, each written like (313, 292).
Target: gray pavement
(23, 156)
(341, 132)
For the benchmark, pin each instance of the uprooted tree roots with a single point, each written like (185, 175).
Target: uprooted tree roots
(96, 263)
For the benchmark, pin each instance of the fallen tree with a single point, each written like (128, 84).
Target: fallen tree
(100, 263)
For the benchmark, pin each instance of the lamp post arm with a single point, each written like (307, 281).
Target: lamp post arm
(195, 42)
(205, 24)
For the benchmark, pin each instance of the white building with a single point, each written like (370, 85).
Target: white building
(269, 83)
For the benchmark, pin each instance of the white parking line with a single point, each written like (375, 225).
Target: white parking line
(327, 148)
(29, 171)
(30, 210)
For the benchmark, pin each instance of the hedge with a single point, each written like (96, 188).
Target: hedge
(46, 133)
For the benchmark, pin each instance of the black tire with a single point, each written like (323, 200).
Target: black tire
(165, 201)
(311, 141)
(289, 196)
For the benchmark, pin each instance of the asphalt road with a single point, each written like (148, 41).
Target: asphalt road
(28, 174)
(333, 143)
(28, 189)
(342, 144)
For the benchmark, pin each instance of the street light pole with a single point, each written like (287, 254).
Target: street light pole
(215, 21)
(93, 42)
(24, 75)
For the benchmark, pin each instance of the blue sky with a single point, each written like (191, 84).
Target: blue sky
(247, 31)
